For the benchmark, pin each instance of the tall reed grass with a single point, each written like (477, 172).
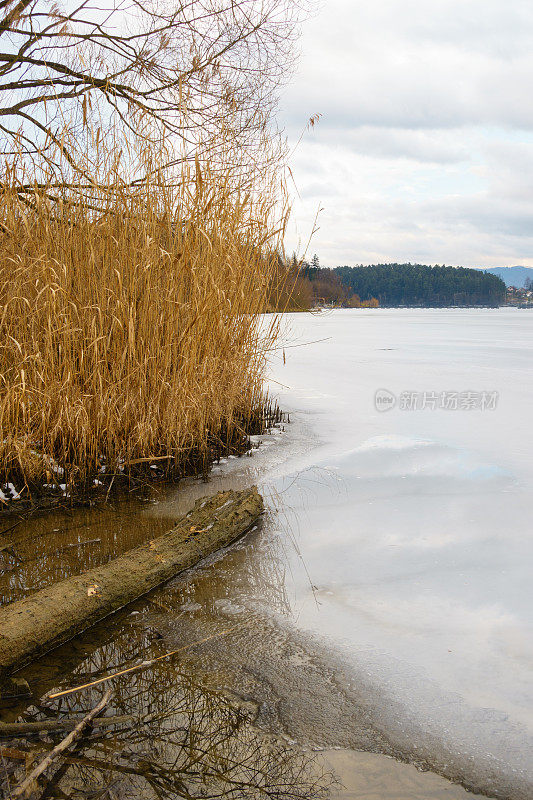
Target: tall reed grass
(129, 329)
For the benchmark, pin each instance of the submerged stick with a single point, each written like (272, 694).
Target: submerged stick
(60, 748)
(136, 667)
(33, 626)
(10, 730)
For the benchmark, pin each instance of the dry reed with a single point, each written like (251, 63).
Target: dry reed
(129, 329)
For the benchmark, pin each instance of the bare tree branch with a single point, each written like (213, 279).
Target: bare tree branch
(132, 70)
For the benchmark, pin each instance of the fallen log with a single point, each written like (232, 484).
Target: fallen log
(33, 626)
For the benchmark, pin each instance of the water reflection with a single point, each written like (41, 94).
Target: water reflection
(189, 736)
(36, 551)
(184, 740)
(48, 548)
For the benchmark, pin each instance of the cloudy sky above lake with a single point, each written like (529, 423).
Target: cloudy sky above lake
(424, 148)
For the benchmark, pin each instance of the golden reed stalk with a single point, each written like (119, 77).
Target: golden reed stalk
(129, 326)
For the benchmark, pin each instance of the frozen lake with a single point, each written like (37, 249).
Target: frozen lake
(414, 524)
(384, 604)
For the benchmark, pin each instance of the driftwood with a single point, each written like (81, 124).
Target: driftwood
(28, 781)
(9, 730)
(33, 626)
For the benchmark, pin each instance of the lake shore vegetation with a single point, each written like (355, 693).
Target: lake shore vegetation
(141, 216)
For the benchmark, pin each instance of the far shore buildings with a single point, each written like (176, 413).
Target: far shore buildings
(517, 296)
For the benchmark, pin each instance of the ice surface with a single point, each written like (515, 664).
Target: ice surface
(413, 528)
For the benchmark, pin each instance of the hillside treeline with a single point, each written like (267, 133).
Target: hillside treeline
(420, 285)
(298, 286)
(404, 285)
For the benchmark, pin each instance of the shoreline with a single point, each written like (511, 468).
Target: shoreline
(247, 586)
(147, 475)
(359, 769)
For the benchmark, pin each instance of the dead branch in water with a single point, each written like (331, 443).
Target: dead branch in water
(15, 729)
(27, 783)
(137, 667)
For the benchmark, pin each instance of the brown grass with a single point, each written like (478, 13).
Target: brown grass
(130, 333)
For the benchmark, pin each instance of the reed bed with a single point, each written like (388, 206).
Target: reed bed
(130, 341)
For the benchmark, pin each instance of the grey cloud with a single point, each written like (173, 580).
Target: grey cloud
(418, 96)
(466, 232)
(485, 215)
(431, 146)
(509, 170)
(425, 147)
(501, 29)
(319, 190)
(416, 65)
(473, 230)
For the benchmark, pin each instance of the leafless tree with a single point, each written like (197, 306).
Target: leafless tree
(191, 74)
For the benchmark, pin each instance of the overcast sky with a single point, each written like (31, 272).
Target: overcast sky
(424, 150)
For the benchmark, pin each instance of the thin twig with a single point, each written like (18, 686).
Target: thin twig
(78, 544)
(16, 729)
(143, 665)
(61, 747)
(11, 527)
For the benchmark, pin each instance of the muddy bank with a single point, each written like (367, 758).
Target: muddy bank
(31, 627)
(367, 776)
(183, 740)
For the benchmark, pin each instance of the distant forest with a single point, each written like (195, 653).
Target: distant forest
(402, 285)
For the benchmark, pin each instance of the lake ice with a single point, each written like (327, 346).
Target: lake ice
(413, 533)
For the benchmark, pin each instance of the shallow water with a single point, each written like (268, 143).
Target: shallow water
(383, 604)
(367, 776)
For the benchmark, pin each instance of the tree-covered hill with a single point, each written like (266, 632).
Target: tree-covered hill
(420, 285)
